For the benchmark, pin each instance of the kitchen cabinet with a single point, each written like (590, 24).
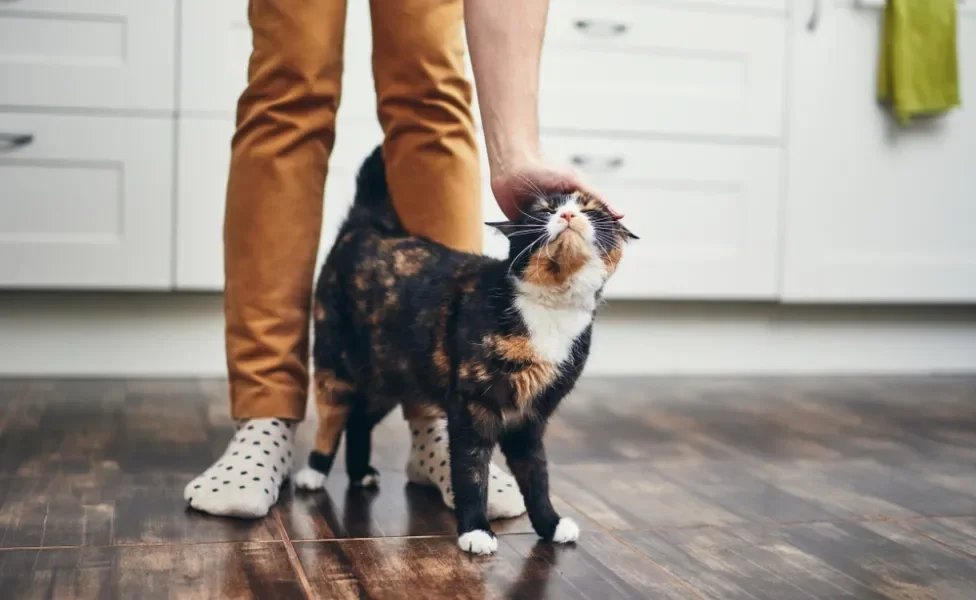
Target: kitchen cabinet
(85, 202)
(92, 54)
(874, 212)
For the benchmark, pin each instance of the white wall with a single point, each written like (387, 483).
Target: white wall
(100, 334)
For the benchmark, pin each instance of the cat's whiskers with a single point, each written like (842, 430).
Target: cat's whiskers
(524, 250)
(533, 187)
(533, 217)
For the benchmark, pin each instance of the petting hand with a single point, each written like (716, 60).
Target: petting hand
(532, 178)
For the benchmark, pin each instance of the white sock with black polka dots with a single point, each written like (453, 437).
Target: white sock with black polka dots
(245, 481)
(430, 464)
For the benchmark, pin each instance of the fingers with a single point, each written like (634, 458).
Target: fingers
(510, 190)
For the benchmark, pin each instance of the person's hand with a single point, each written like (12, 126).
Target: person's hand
(534, 178)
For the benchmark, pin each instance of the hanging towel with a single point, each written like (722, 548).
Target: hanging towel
(919, 73)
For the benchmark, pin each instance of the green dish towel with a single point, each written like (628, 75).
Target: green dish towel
(919, 72)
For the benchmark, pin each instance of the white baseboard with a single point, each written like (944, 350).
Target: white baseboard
(90, 334)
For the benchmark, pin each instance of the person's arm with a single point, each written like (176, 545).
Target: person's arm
(505, 41)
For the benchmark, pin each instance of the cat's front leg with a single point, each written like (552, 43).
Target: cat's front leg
(527, 460)
(470, 452)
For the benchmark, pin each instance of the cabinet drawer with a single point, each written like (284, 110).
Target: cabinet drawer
(707, 215)
(672, 68)
(88, 54)
(216, 46)
(87, 203)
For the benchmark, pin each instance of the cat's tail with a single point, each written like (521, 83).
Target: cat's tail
(372, 206)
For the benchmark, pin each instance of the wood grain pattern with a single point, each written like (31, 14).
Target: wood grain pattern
(105, 509)
(958, 533)
(598, 566)
(150, 572)
(820, 560)
(398, 508)
(694, 488)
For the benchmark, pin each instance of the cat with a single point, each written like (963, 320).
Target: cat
(495, 344)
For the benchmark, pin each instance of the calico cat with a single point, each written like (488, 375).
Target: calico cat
(494, 344)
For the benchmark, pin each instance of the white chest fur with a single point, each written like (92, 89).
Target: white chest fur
(555, 319)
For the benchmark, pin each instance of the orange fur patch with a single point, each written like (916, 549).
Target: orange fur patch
(442, 362)
(530, 382)
(474, 371)
(554, 265)
(409, 262)
(333, 407)
(513, 348)
(612, 258)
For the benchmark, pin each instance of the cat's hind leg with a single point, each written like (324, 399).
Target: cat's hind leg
(359, 434)
(334, 399)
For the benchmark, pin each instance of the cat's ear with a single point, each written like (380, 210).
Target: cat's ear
(506, 228)
(628, 234)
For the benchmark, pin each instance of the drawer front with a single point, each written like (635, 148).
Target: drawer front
(87, 203)
(216, 47)
(707, 215)
(671, 68)
(88, 54)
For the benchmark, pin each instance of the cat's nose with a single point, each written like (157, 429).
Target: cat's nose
(566, 215)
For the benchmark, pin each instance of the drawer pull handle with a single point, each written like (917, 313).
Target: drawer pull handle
(814, 19)
(600, 28)
(593, 166)
(10, 141)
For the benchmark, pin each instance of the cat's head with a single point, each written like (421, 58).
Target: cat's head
(564, 241)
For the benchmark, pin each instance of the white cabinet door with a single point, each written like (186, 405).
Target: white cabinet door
(665, 67)
(87, 203)
(202, 161)
(114, 54)
(875, 213)
(707, 214)
(215, 47)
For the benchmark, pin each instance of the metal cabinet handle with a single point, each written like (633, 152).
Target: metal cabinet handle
(600, 28)
(814, 19)
(11, 141)
(604, 165)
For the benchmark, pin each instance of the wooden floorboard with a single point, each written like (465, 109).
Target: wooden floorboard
(727, 489)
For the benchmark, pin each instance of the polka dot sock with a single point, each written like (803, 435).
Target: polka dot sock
(245, 481)
(429, 464)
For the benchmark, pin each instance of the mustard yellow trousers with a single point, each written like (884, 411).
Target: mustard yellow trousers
(286, 129)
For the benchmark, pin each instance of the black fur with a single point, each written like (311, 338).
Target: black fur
(404, 316)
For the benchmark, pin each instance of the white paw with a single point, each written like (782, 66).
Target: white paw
(566, 531)
(478, 542)
(309, 479)
(369, 481)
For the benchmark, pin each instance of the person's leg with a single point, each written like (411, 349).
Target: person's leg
(424, 107)
(280, 152)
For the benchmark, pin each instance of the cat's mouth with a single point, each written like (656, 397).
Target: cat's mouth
(571, 229)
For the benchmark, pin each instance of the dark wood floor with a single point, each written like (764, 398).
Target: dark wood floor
(719, 489)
